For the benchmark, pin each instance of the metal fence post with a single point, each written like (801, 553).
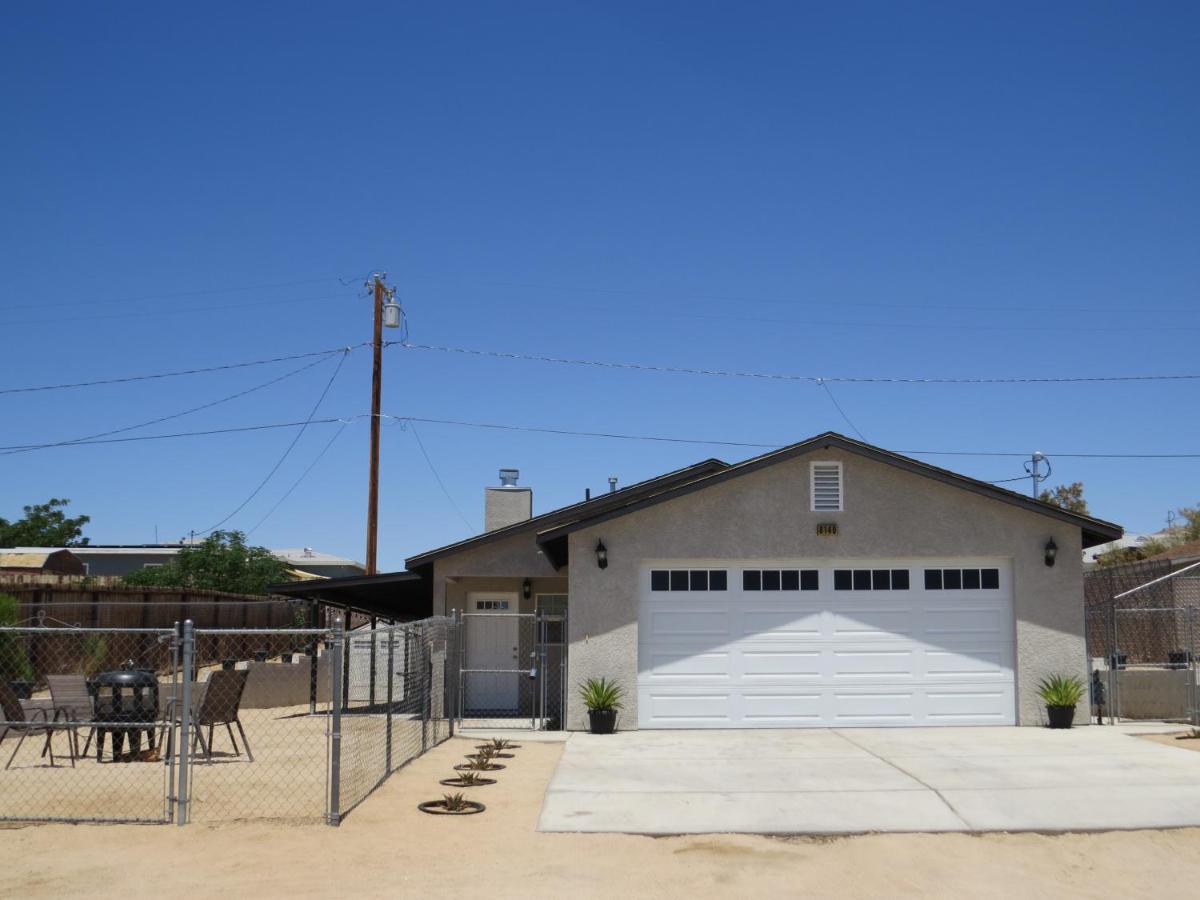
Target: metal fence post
(458, 658)
(184, 702)
(336, 651)
(172, 784)
(391, 680)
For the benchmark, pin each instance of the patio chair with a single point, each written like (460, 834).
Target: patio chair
(222, 697)
(73, 703)
(36, 721)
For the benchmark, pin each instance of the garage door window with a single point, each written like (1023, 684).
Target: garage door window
(780, 580)
(689, 580)
(870, 579)
(962, 579)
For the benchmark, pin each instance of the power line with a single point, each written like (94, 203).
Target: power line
(234, 429)
(769, 376)
(175, 295)
(177, 310)
(838, 407)
(186, 412)
(286, 452)
(312, 465)
(156, 375)
(436, 477)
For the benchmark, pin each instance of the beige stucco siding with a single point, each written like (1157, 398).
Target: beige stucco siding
(888, 512)
(493, 567)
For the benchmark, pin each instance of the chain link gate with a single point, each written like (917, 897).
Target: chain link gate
(512, 670)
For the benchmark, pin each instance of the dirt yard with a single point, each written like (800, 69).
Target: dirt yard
(388, 849)
(1186, 740)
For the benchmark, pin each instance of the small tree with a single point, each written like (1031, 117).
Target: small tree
(223, 562)
(44, 525)
(1068, 496)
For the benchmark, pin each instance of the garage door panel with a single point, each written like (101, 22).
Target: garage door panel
(779, 664)
(961, 663)
(667, 665)
(690, 621)
(754, 659)
(894, 623)
(781, 624)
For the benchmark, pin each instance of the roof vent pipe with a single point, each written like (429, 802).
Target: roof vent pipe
(612, 484)
(508, 477)
(587, 493)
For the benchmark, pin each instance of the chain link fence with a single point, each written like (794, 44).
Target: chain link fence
(214, 724)
(1143, 638)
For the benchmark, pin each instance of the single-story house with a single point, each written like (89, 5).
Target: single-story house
(122, 559)
(830, 583)
(22, 561)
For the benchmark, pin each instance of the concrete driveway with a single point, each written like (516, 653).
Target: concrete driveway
(861, 780)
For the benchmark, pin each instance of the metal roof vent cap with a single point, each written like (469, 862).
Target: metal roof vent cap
(307, 553)
(508, 477)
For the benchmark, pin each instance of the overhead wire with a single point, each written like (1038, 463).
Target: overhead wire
(433, 469)
(179, 372)
(295, 484)
(178, 415)
(279, 462)
(776, 376)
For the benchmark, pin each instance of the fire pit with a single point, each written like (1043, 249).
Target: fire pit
(126, 703)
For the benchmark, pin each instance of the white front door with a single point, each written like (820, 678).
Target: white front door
(786, 644)
(493, 682)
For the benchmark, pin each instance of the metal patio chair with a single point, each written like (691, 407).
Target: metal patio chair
(25, 723)
(222, 697)
(73, 703)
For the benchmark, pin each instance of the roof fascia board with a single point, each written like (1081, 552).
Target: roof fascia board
(604, 501)
(1097, 528)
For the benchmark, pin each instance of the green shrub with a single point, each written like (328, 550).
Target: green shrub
(14, 659)
(1061, 690)
(600, 694)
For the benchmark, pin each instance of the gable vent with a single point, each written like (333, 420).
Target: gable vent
(826, 484)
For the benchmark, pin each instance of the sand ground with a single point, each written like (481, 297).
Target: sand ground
(388, 849)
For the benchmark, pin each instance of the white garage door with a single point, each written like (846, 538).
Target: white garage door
(785, 645)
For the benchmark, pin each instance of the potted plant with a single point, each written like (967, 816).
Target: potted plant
(1061, 693)
(602, 699)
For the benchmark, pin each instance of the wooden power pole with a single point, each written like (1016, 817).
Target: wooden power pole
(376, 397)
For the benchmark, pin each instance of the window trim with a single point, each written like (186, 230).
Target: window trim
(812, 485)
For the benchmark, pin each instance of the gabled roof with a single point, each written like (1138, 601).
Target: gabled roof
(1095, 531)
(599, 504)
(1190, 550)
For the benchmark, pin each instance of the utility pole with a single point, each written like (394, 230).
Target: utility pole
(1034, 471)
(376, 398)
(392, 310)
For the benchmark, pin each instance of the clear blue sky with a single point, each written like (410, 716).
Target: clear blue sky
(833, 189)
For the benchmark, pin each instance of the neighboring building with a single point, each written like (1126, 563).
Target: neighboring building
(829, 583)
(24, 561)
(121, 559)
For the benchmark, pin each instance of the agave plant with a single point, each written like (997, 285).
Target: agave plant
(470, 778)
(1061, 690)
(600, 694)
(498, 744)
(454, 802)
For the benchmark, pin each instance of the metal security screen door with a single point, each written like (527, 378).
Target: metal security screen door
(512, 667)
(493, 656)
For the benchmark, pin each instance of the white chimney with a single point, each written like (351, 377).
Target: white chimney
(507, 504)
(612, 484)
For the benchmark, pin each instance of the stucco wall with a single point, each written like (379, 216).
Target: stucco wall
(888, 512)
(499, 562)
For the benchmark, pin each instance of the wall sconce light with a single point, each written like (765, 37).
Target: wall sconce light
(526, 588)
(1051, 551)
(601, 555)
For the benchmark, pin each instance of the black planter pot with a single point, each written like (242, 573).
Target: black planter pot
(23, 689)
(1060, 716)
(602, 721)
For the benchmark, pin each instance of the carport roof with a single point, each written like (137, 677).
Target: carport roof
(1095, 531)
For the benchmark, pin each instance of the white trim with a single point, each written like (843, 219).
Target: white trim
(812, 485)
(513, 598)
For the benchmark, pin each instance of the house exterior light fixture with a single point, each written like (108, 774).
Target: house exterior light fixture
(526, 588)
(601, 555)
(1051, 552)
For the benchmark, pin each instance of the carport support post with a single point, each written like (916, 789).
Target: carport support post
(337, 644)
(183, 803)
(374, 637)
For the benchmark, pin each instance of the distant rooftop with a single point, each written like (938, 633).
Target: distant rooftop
(294, 555)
